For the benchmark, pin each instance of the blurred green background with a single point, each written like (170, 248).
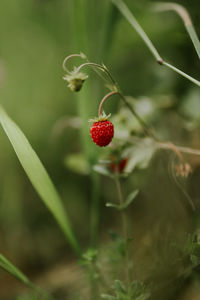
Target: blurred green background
(35, 37)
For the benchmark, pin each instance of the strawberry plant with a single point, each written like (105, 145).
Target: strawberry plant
(124, 264)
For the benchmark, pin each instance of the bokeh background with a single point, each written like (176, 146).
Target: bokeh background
(35, 37)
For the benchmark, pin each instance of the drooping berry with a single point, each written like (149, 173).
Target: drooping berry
(102, 132)
(118, 166)
(75, 80)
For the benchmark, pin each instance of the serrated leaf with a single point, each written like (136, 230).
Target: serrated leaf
(119, 286)
(38, 176)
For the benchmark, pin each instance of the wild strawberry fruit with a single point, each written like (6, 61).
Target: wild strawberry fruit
(102, 132)
(118, 166)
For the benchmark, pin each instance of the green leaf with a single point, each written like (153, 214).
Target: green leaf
(127, 202)
(109, 204)
(144, 296)
(140, 154)
(102, 170)
(129, 199)
(119, 287)
(38, 176)
(194, 259)
(90, 255)
(10, 268)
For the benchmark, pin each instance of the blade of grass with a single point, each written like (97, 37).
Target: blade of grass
(183, 13)
(10, 268)
(134, 23)
(181, 73)
(6, 265)
(83, 41)
(38, 176)
(131, 19)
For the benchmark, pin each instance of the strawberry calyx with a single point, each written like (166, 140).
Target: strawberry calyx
(75, 80)
(101, 118)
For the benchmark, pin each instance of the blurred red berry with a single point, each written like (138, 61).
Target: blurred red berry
(102, 132)
(118, 167)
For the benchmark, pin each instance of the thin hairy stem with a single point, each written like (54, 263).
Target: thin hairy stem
(190, 202)
(104, 99)
(100, 67)
(69, 57)
(140, 120)
(186, 150)
(145, 127)
(175, 149)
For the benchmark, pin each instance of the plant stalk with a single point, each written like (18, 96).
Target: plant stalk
(125, 228)
(183, 13)
(132, 20)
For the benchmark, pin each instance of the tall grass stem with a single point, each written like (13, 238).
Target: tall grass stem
(131, 19)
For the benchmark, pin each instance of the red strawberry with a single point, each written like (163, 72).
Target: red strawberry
(118, 167)
(102, 132)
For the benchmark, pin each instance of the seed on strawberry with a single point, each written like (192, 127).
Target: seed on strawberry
(102, 132)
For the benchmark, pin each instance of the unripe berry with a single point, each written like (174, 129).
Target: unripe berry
(75, 80)
(102, 132)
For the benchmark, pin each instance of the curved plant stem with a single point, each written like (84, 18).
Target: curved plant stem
(183, 13)
(101, 67)
(69, 57)
(131, 19)
(140, 120)
(186, 150)
(104, 100)
(125, 228)
(190, 202)
(145, 127)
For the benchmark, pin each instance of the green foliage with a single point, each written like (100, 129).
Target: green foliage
(90, 255)
(10, 268)
(136, 291)
(140, 154)
(126, 203)
(37, 175)
(39, 33)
